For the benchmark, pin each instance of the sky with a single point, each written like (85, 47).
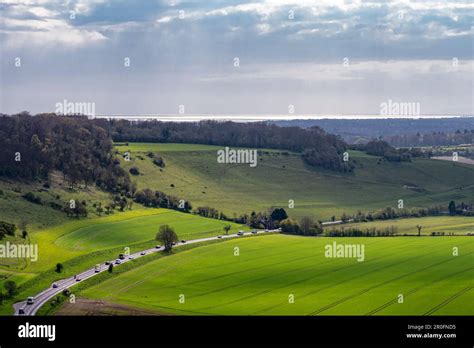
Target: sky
(140, 57)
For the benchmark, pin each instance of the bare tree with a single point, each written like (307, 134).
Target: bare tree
(419, 227)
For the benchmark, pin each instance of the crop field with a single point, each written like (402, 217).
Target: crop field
(457, 225)
(192, 173)
(290, 275)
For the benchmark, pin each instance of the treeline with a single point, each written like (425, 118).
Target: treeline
(158, 199)
(431, 139)
(354, 131)
(318, 147)
(358, 232)
(253, 134)
(389, 213)
(388, 152)
(305, 227)
(33, 146)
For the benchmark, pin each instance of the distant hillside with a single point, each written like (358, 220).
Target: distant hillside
(192, 173)
(354, 130)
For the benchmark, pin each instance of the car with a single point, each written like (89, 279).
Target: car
(121, 256)
(143, 253)
(107, 262)
(267, 230)
(254, 231)
(131, 257)
(78, 279)
(55, 285)
(183, 241)
(30, 300)
(219, 236)
(97, 268)
(118, 262)
(240, 233)
(173, 243)
(21, 311)
(158, 246)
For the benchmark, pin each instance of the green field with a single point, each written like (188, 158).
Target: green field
(192, 173)
(457, 225)
(270, 269)
(15, 209)
(135, 230)
(79, 244)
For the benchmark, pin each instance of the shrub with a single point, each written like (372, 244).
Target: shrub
(159, 162)
(134, 171)
(30, 197)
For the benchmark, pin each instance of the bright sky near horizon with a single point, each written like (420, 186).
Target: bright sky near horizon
(237, 57)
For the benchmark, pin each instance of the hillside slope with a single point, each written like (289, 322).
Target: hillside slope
(192, 172)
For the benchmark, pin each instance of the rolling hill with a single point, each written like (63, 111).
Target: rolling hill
(191, 172)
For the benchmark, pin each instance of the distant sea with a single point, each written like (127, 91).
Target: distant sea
(272, 117)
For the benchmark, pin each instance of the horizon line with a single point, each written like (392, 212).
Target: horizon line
(270, 117)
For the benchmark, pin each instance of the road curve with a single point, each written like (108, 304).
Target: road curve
(47, 294)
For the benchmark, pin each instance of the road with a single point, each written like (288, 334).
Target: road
(47, 294)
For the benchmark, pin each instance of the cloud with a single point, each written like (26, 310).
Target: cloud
(288, 50)
(358, 70)
(38, 23)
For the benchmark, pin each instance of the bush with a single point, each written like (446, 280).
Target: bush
(11, 287)
(134, 171)
(59, 268)
(159, 162)
(9, 229)
(290, 226)
(30, 197)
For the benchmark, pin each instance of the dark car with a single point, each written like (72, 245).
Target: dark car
(158, 246)
(21, 311)
(183, 241)
(55, 286)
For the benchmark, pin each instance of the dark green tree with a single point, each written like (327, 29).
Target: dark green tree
(59, 267)
(452, 208)
(11, 287)
(167, 236)
(279, 214)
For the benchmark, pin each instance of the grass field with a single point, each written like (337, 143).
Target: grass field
(457, 225)
(270, 269)
(192, 173)
(79, 244)
(15, 209)
(135, 230)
